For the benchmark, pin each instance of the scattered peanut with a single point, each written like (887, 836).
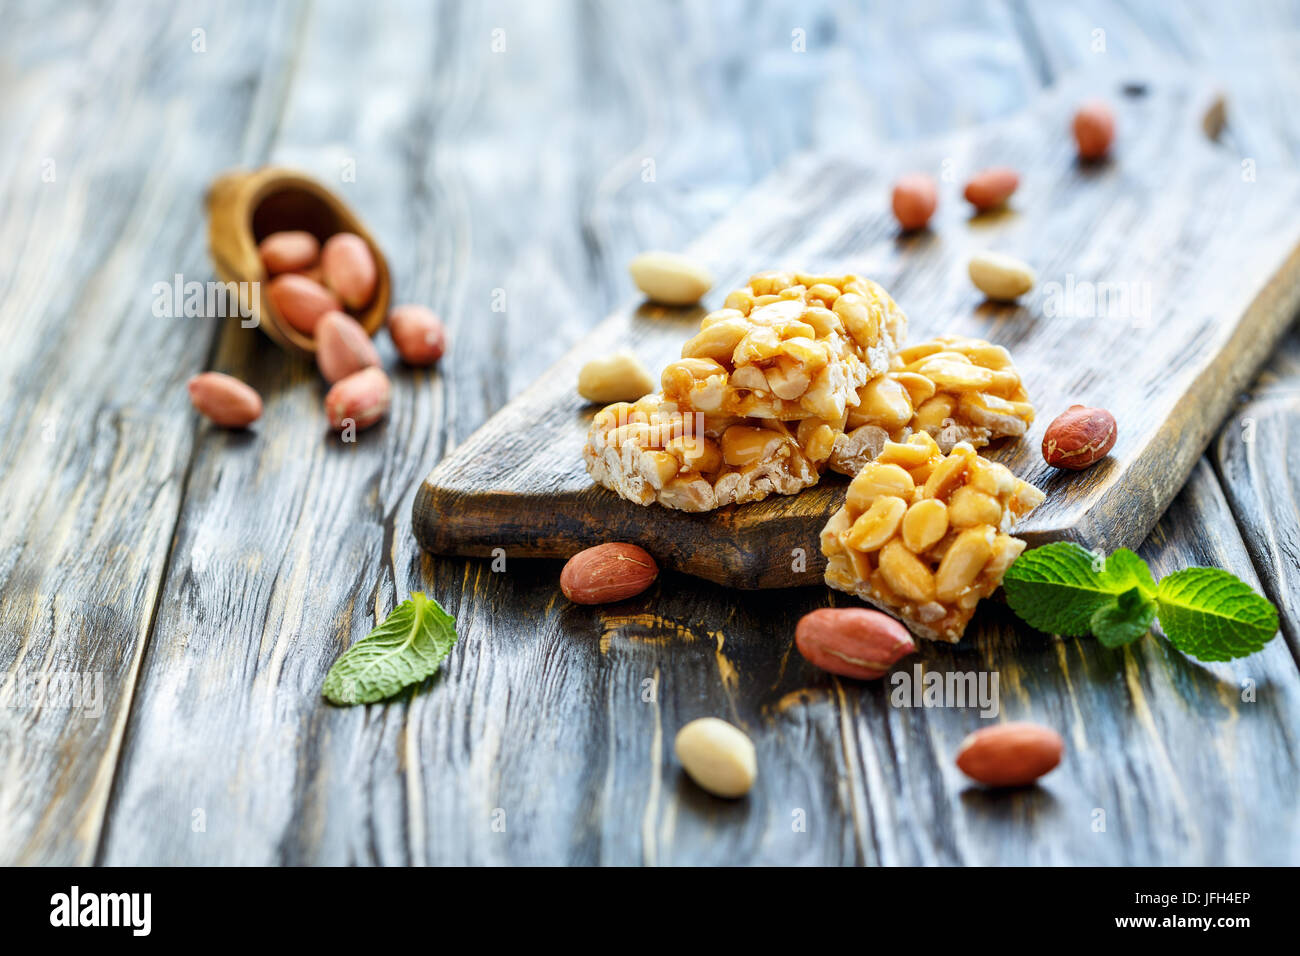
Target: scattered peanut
(619, 377)
(915, 199)
(1010, 755)
(225, 399)
(288, 251)
(342, 346)
(1094, 129)
(852, 641)
(349, 269)
(300, 301)
(1079, 437)
(990, 188)
(1001, 277)
(719, 757)
(670, 278)
(608, 573)
(418, 334)
(361, 399)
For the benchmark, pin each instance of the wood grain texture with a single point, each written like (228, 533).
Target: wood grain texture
(521, 172)
(1165, 280)
(1255, 455)
(102, 174)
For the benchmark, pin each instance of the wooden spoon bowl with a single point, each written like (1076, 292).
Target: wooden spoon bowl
(245, 207)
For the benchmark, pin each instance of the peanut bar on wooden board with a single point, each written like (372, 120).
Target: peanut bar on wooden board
(924, 536)
(956, 389)
(788, 346)
(653, 450)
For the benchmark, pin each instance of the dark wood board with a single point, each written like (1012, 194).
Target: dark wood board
(1204, 268)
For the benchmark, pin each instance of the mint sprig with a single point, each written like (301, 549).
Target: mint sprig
(1062, 588)
(406, 648)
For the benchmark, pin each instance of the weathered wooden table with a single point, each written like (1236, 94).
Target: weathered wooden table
(187, 588)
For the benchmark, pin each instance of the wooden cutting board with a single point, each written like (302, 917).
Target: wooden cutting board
(1200, 252)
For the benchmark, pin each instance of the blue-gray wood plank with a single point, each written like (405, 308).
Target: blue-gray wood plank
(209, 579)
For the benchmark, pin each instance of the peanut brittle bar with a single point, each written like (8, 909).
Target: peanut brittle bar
(788, 346)
(655, 451)
(924, 536)
(953, 388)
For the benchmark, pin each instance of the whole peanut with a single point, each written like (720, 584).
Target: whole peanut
(419, 335)
(300, 301)
(670, 278)
(289, 251)
(361, 398)
(619, 377)
(992, 187)
(608, 573)
(1094, 129)
(342, 346)
(915, 199)
(852, 641)
(225, 399)
(1079, 437)
(718, 756)
(349, 269)
(1000, 277)
(1010, 755)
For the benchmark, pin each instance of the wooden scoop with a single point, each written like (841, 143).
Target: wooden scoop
(245, 207)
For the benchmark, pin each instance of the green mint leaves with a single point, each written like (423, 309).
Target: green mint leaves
(1214, 616)
(1062, 588)
(405, 649)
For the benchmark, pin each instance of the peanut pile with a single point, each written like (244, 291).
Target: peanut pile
(311, 285)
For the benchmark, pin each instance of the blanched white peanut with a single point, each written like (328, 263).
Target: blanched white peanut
(1001, 277)
(619, 377)
(670, 278)
(719, 757)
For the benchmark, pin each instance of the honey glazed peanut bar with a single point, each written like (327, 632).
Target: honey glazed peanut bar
(925, 536)
(788, 346)
(654, 451)
(956, 389)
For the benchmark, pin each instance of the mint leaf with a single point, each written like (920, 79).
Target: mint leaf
(1125, 570)
(1058, 588)
(1126, 618)
(1213, 615)
(403, 650)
